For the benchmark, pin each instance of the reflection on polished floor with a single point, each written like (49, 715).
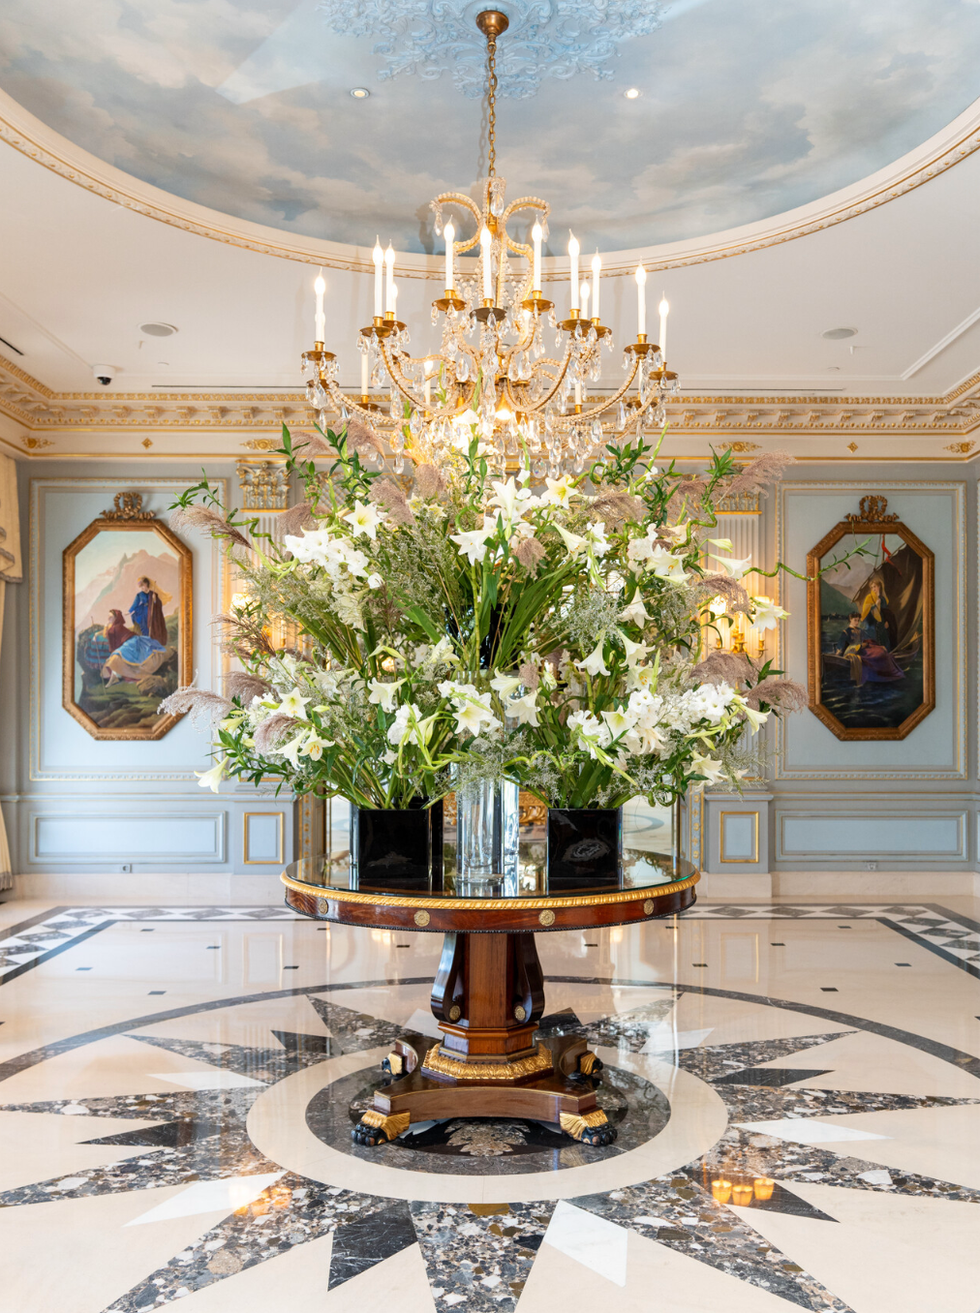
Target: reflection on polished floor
(795, 1085)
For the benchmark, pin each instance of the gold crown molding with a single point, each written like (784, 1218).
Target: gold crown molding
(32, 138)
(253, 421)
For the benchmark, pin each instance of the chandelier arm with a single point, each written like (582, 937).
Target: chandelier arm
(404, 386)
(458, 198)
(342, 400)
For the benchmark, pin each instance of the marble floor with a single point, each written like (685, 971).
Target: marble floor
(796, 1088)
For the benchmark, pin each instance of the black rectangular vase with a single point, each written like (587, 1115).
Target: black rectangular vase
(585, 847)
(400, 847)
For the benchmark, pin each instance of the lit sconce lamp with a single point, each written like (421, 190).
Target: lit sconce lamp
(763, 1187)
(742, 1194)
(721, 1190)
(738, 634)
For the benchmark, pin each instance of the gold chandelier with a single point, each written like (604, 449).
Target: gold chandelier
(491, 368)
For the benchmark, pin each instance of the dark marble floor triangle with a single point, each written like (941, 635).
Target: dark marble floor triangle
(784, 1201)
(167, 1135)
(366, 1241)
(771, 1076)
(295, 1042)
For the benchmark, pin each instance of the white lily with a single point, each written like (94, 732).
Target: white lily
(507, 496)
(667, 566)
(619, 722)
(571, 540)
(473, 545)
(635, 613)
(291, 750)
(210, 779)
(598, 542)
(473, 716)
(505, 685)
(374, 581)
(595, 663)
(525, 709)
(559, 493)
(384, 693)
(635, 652)
(766, 614)
(735, 567)
(365, 518)
(709, 767)
(314, 745)
(725, 544)
(293, 704)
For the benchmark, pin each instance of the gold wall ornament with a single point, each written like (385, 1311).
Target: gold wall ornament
(739, 447)
(261, 444)
(128, 506)
(852, 447)
(147, 442)
(872, 510)
(265, 486)
(878, 632)
(960, 448)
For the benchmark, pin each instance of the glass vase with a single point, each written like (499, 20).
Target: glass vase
(487, 831)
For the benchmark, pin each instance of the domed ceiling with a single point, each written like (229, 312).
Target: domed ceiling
(746, 108)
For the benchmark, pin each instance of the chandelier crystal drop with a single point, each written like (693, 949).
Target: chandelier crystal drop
(493, 372)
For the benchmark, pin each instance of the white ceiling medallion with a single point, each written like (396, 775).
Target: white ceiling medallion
(431, 37)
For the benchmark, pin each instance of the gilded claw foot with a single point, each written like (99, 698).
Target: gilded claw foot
(589, 1067)
(588, 1128)
(375, 1128)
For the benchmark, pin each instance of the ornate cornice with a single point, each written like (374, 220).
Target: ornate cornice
(252, 421)
(32, 138)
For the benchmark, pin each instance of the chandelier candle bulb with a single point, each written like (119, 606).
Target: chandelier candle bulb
(379, 259)
(486, 249)
(584, 294)
(536, 235)
(596, 270)
(390, 292)
(573, 250)
(450, 239)
(641, 301)
(320, 287)
(664, 308)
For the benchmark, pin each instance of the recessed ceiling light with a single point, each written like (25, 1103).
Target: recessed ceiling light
(158, 330)
(360, 93)
(632, 93)
(835, 334)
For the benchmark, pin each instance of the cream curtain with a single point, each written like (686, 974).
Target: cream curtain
(11, 572)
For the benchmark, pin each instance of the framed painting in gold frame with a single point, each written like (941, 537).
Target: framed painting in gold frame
(871, 659)
(127, 641)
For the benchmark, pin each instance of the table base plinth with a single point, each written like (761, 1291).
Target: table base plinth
(488, 997)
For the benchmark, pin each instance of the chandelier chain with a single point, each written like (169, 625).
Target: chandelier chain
(492, 101)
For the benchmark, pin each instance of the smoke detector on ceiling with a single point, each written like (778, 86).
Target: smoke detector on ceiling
(153, 329)
(838, 334)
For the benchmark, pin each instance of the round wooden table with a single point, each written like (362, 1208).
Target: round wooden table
(488, 993)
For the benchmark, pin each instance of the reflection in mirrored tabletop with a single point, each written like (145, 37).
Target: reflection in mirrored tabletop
(640, 869)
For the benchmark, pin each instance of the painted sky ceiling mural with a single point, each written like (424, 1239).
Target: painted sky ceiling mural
(747, 108)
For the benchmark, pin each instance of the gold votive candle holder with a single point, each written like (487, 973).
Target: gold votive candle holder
(721, 1191)
(742, 1194)
(763, 1187)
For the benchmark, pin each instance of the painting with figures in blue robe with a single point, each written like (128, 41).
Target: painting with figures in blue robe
(871, 649)
(127, 626)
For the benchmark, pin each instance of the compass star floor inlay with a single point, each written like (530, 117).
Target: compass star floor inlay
(177, 1087)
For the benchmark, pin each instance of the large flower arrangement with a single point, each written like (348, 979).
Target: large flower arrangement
(471, 624)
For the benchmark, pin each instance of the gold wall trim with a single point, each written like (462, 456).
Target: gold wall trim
(486, 904)
(29, 135)
(738, 861)
(281, 832)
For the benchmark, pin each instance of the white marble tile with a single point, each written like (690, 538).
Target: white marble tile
(298, 1278)
(372, 1291)
(37, 1146)
(889, 1253)
(596, 1243)
(208, 1080)
(76, 1255)
(807, 1130)
(663, 1038)
(229, 1193)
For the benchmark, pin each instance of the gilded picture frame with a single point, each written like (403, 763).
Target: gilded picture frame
(126, 626)
(871, 628)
